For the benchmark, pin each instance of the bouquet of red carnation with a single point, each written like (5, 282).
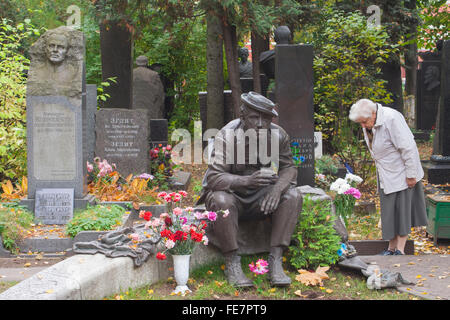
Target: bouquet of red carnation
(180, 229)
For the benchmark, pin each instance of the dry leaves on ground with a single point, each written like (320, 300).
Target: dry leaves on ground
(312, 278)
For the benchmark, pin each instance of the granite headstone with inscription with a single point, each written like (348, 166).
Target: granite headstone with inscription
(294, 93)
(122, 138)
(54, 206)
(55, 103)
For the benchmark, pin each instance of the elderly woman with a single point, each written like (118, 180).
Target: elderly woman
(399, 171)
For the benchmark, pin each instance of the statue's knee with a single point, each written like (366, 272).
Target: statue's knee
(293, 195)
(223, 200)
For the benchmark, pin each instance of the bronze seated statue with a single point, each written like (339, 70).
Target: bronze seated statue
(252, 188)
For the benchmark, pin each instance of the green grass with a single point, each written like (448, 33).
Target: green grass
(364, 227)
(6, 285)
(208, 282)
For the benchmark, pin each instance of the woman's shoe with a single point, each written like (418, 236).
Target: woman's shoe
(398, 253)
(386, 252)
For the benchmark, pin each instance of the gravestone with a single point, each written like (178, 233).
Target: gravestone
(55, 105)
(294, 93)
(437, 171)
(148, 90)
(117, 61)
(428, 89)
(54, 206)
(159, 132)
(89, 123)
(122, 138)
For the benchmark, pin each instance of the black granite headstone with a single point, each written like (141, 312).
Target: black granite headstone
(438, 170)
(159, 132)
(294, 89)
(428, 90)
(117, 61)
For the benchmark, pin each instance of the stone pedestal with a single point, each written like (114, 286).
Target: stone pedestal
(294, 93)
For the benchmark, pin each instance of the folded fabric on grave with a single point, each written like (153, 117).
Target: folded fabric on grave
(122, 243)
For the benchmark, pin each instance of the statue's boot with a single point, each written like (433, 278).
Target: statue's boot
(234, 273)
(277, 276)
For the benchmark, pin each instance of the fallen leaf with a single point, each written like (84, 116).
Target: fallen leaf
(308, 278)
(49, 291)
(347, 284)
(26, 265)
(299, 293)
(328, 291)
(418, 276)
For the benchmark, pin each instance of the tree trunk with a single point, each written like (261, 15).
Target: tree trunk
(214, 67)
(230, 41)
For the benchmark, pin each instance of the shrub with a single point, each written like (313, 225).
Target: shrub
(13, 66)
(14, 221)
(316, 241)
(96, 218)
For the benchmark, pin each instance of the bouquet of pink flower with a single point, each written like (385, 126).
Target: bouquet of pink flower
(180, 229)
(346, 194)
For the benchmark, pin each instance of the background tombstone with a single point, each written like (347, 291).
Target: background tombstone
(116, 46)
(438, 170)
(428, 89)
(294, 94)
(55, 105)
(159, 132)
(122, 137)
(89, 123)
(148, 90)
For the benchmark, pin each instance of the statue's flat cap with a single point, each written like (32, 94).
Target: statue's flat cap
(258, 102)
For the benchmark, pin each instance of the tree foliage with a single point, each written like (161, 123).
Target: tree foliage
(13, 68)
(435, 22)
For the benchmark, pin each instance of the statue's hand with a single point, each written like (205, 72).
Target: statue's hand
(271, 201)
(258, 180)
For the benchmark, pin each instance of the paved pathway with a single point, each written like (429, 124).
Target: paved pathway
(430, 273)
(18, 274)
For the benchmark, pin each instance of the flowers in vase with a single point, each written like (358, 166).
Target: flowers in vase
(180, 229)
(347, 193)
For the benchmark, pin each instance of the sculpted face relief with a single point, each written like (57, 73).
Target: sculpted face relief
(56, 48)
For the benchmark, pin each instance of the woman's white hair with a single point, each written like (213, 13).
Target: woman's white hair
(363, 108)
